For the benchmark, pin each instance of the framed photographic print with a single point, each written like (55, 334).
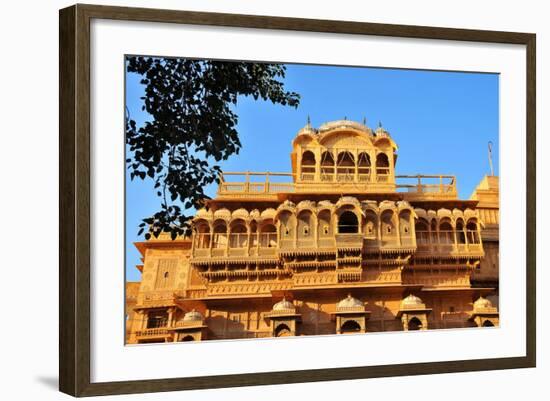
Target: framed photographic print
(262, 200)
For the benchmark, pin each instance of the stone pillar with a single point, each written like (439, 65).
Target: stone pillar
(170, 317)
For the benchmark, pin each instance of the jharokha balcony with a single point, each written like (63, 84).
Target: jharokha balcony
(325, 233)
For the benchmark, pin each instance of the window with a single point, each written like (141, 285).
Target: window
(166, 274)
(348, 224)
(157, 319)
(308, 166)
(415, 324)
(325, 230)
(306, 231)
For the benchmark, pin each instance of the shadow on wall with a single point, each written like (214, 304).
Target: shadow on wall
(315, 321)
(49, 381)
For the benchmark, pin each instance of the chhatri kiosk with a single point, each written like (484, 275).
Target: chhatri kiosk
(339, 245)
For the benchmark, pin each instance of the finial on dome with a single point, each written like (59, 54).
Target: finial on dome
(345, 118)
(379, 124)
(364, 120)
(308, 120)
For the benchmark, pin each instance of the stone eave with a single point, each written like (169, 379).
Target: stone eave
(142, 246)
(475, 314)
(412, 310)
(351, 312)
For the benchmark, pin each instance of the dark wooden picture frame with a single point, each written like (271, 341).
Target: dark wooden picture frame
(74, 204)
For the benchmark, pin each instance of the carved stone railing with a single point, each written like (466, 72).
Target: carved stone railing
(349, 240)
(443, 243)
(427, 185)
(157, 332)
(153, 298)
(262, 184)
(241, 334)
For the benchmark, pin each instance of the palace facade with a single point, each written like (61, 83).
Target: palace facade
(340, 245)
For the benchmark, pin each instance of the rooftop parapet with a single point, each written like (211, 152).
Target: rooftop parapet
(267, 186)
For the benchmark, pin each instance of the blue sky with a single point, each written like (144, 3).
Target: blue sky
(441, 122)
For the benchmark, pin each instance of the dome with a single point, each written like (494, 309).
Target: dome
(381, 131)
(307, 129)
(283, 306)
(482, 303)
(192, 316)
(349, 302)
(411, 302)
(344, 124)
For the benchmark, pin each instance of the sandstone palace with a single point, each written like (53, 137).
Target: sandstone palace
(340, 245)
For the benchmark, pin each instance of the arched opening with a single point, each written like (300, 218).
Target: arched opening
(305, 228)
(220, 234)
(156, 319)
(389, 233)
(446, 236)
(414, 324)
(308, 166)
(325, 228)
(345, 166)
(371, 225)
(488, 323)
(382, 167)
(238, 235)
(287, 223)
(405, 227)
(472, 232)
(188, 338)
(327, 166)
(347, 223)
(202, 234)
(351, 326)
(268, 235)
(422, 232)
(363, 167)
(460, 234)
(282, 330)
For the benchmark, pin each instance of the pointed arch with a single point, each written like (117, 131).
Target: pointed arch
(327, 166)
(350, 326)
(414, 324)
(282, 330)
(422, 231)
(345, 166)
(363, 167)
(382, 167)
(308, 166)
(348, 223)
